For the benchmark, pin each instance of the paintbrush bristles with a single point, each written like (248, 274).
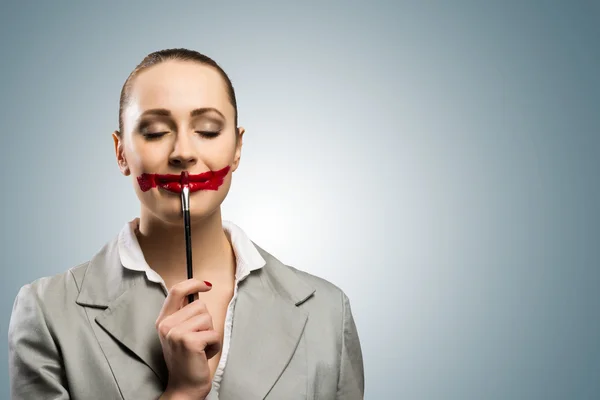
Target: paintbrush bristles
(185, 178)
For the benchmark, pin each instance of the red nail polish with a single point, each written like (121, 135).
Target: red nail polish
(208, 283)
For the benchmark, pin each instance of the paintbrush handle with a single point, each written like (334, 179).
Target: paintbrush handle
(188, 249)
(185, 202)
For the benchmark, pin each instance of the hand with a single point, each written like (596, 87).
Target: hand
(188, 340)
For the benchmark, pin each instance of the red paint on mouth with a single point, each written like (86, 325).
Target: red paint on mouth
(209, 180)
(185, 179)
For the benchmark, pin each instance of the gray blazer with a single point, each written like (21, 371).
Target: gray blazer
(89, 334)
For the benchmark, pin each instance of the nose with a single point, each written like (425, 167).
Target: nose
(183, 155)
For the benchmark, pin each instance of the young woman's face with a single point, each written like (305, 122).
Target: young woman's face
(178, 118)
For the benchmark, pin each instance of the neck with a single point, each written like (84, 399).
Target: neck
(163, 246)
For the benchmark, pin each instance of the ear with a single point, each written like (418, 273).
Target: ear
(119, 152)
(238, 148)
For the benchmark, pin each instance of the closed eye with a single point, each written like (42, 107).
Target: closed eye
(154, 135)
(209, 134)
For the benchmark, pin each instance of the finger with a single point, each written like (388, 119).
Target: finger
(207, 341)
(169, 322)
(196, 323)
(178, 293)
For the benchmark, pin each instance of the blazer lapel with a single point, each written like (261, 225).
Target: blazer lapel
(125, 306)
(130, 320)
(267, 327)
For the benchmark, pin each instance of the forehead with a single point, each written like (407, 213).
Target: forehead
(179, 86)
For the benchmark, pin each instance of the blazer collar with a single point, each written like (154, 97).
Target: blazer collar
(105, 279)
(267, 302)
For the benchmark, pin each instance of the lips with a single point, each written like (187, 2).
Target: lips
(209, 180)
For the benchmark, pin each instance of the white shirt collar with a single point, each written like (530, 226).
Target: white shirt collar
(247, 257)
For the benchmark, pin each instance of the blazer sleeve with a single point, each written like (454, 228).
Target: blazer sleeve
(35, 366)
(351, 381)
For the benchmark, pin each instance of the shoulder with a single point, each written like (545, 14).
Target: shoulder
(58, 285)
(50, 296)
(316, 292)
(63, 288)
(43, 306)
(323, 286)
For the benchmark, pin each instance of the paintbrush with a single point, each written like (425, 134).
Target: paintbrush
(185, 206)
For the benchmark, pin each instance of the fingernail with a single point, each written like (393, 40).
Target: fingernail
(208, 283)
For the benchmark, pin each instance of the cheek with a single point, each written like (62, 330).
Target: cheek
(144, 157)
(218, 153)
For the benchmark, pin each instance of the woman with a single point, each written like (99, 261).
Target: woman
(120, 325)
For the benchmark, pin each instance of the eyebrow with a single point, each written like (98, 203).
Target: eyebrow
(163, 112)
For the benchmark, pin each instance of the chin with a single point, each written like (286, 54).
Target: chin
(170, 211)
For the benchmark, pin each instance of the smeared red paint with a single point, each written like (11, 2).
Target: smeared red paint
(209, 180)
(185, 179)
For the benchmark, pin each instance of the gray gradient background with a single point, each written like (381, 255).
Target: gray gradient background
(460, 144)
